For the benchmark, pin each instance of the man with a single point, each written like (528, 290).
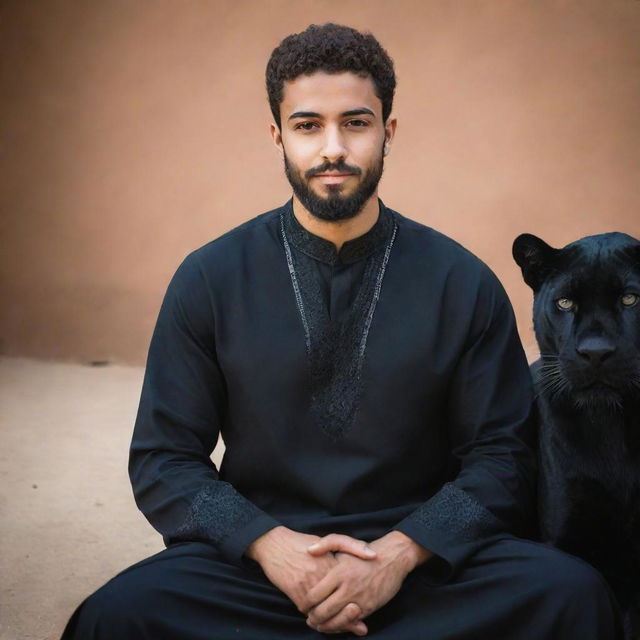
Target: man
(367, 378)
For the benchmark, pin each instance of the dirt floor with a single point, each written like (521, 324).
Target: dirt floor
(68, 519)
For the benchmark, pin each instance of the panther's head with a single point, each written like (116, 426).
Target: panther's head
(586, 315)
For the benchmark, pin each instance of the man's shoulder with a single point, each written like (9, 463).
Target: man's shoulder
(429, 241)
(250, 231)
(222, 255)
(442, 256)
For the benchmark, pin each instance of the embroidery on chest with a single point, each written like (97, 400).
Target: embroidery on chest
(335, 349)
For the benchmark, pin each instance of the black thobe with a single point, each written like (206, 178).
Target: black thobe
(382, 387)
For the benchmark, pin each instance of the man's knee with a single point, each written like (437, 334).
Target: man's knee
(573, 593)
(112, 611)
(567, 578)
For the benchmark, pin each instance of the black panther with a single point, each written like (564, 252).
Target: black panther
(586, 316)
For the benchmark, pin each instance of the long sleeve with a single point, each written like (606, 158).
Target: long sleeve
(175, 483)
(490, 406)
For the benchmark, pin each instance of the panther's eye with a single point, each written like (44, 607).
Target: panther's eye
(565, 304)
(629, 299)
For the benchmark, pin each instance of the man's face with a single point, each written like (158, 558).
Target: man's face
(332, 138)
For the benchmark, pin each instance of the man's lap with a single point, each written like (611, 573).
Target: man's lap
(187, 591)
(513, 588)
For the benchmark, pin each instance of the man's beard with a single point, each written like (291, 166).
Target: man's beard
(334, 206)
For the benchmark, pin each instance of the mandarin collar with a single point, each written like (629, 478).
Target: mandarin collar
(325, 251)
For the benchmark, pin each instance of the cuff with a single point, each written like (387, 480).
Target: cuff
(452, 525)
(233, 546)
(220, 515)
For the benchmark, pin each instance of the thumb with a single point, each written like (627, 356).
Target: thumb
(338, 542)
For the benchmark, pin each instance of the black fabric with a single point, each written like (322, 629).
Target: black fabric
(445, 396)
(509, 590)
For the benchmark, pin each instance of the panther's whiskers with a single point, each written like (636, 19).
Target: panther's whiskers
(551, 380)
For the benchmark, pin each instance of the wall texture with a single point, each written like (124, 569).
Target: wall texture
(135, 131)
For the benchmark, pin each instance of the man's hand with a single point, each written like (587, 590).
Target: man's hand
(286, 560)
(369, 584)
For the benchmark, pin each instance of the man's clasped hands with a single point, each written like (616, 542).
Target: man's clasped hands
(336, 581)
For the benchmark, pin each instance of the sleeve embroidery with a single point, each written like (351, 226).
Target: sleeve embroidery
(455, 511)
(215, 513)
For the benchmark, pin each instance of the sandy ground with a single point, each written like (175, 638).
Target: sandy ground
(68, 519)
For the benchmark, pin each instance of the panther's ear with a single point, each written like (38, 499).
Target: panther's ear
(535, 257)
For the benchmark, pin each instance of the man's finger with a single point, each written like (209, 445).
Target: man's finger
(335, 604)
(321, 591)
(338, 542)
(346, 619)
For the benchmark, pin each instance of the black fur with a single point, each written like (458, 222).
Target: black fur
(588, 390)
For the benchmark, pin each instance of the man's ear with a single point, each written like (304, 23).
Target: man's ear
(535, 257)
(276, 136)
(389, 133)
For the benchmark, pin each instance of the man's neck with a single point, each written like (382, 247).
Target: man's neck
(340, 231)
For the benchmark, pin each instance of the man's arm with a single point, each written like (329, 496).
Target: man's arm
(492, 435)
(182, 405)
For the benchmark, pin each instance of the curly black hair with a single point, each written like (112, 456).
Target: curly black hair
(331, 48)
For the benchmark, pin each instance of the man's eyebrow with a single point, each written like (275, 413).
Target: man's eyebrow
(362, 111)
(304, 114)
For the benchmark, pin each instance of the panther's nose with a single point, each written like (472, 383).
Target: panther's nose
(595, 349)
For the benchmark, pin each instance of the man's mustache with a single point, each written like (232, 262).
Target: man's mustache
(339, 167)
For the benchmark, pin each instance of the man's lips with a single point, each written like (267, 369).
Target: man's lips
(333, 177)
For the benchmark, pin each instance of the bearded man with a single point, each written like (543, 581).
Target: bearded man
(367, 378)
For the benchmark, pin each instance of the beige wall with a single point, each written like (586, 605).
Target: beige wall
(135, 131)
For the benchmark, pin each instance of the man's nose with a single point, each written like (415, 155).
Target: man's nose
(334, 146)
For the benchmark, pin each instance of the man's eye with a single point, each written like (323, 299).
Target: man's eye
(629, 299)
(306, 126)
(357, 123)
(565, 304)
